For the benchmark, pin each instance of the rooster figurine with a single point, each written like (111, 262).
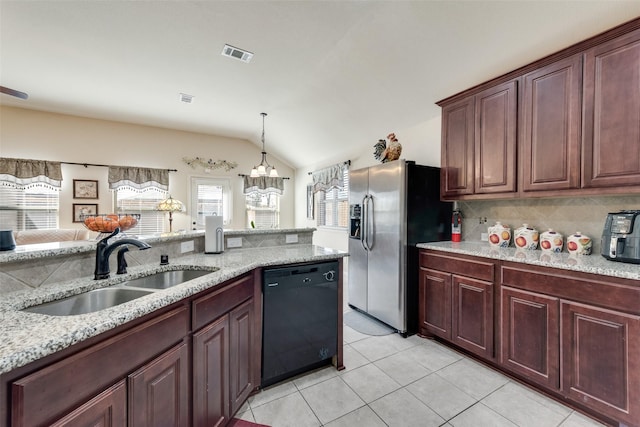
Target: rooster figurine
(385, 153)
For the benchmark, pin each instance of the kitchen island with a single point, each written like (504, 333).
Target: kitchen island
(186, 316)
(568, 326)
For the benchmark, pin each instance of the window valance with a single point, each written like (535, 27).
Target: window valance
(263, 184)
(329, 178)
(23, 173)
(138, 179)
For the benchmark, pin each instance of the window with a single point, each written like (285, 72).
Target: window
(144, 203)
(263, 210)
(35, 207)
(210, 196)
(332, 206)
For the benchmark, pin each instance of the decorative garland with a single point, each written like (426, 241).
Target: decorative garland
(209, 164)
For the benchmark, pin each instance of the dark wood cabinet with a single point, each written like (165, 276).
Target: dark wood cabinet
(550, 134)
(458, 126)
(496, 114)
(454, 306)
(159, 391)
(601, 360)
(211, 382)
(611, 137)
(529, 336)
(108, 409)
(224, 352)
(479, 143)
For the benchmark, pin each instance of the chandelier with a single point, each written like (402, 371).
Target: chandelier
(264, 168)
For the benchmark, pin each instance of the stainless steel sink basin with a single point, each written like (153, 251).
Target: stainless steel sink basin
(88, 302)
(166, 279)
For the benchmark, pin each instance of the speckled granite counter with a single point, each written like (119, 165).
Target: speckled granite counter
(25, 337)
(595, 264)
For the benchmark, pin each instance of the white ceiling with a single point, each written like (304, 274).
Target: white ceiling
(332, 75)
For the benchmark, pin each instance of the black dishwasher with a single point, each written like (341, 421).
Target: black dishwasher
(300, 319)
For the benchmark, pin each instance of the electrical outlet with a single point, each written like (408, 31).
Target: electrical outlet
(234, 242)
(186, 246)
(291, 238)
(484, 237)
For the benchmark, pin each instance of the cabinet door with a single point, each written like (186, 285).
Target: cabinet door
(472, 315)
(529, 334)
(611, 140)
(435, 303)
(241, 330)
(601, 360)
(496, 113)
(211, 374)
(108, 409)
(159, 391)
(551, 126)
(457, 176)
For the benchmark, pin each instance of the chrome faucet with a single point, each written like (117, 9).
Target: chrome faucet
(104, 249)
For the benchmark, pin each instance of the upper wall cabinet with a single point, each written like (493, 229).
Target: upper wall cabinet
(611, 140)
(566, 125)
(479, 143)
(550, 134)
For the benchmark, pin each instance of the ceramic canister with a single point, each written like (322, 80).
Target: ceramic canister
(551, 241)
(526, 237)
(499, 235)
(579, 244)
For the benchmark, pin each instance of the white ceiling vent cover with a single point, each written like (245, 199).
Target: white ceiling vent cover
(186, 98)
(234, 52)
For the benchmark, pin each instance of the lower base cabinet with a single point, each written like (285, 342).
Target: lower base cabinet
(573, 335)
(108, 409)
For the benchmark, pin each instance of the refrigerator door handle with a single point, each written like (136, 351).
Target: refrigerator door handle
(370, 223)
(363, 224)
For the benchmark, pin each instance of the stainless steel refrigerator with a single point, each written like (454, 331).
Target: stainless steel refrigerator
(392, 206)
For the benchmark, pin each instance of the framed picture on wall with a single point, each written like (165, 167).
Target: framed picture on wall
(80, 209)
(85, 189)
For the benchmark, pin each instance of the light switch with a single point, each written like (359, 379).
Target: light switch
(291, 238)
(186, 246)
(234, 242)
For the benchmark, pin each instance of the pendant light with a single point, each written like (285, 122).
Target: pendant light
(264, 168)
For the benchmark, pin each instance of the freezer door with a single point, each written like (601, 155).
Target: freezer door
(357, 276)
(387, 258)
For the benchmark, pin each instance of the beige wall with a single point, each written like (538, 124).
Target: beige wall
(46, 136)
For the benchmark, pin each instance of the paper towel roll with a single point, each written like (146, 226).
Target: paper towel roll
(213, 235)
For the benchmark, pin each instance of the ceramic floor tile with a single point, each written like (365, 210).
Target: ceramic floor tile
(525, 407)
(362, 417)
(440, 395)
(473, 378)
(331, 399)
(272, 393)
(402, 409)
(374, 348)
(315, 377)
(481, 416)
(288, 411)
(350, 335)
(402, 367)
(245, 415)
(370, 382)
(352, 359)
(576, 419)
(433, 357)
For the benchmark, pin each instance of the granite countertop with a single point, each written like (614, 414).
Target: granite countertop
(26, 337)
(595, 263)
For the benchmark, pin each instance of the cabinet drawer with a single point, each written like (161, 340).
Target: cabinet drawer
(49, 393)
(457, 264)
(211, 306)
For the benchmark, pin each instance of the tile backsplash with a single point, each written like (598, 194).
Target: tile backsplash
(564, 215)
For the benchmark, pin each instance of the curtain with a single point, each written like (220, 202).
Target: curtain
(138, 179)
(329, 178)
(263, 184)
(23, 173)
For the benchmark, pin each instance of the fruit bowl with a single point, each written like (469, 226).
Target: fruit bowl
(108, 223)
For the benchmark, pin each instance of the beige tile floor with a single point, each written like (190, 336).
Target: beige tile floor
(393, 381)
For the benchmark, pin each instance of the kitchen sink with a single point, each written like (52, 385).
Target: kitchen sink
(88, 302)
(166, 279)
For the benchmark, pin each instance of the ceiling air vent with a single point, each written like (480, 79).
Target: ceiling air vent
(234, 52)
(186, 98)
